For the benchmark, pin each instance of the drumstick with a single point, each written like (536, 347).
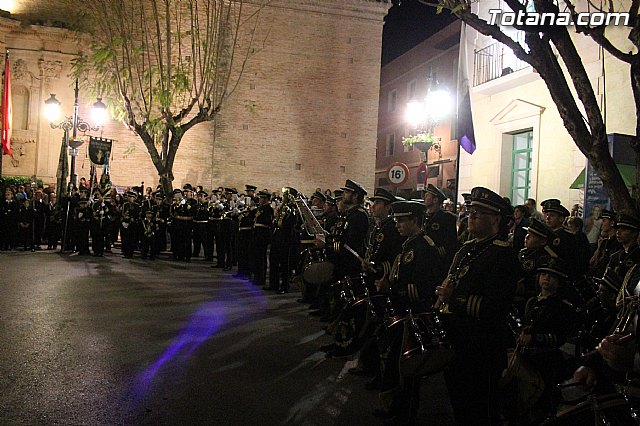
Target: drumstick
(355, 253)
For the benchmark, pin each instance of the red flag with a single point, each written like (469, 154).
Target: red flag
(6, 109)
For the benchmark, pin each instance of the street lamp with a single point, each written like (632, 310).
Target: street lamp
(73, 124)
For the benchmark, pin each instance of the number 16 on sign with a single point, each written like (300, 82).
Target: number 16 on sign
(398, 173)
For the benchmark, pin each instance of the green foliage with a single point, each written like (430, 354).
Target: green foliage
(6, 181)
(420, 137)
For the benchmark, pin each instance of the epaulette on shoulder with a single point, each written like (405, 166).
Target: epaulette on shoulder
(429, 240)
(501, 243)
(471, 241)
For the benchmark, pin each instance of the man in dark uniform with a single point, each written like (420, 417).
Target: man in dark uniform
(439, 224)
(160, 217)
(415, 273)
(39, 219)
(607, 244)
(477, 296)
(130, 220)
(213, 226)
(54, 222)
(246, 218)
(536, 251)
(261, 236)
(351, 230)
(200, 220)
(282, 242)
(82, 216)
(100, 223)
(182, 224)
(564, 243)
(225, 246)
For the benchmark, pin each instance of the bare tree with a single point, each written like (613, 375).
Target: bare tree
(546, 48)
(164, 65)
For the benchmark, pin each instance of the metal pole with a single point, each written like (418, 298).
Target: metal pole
(74, 151)
(455, 193)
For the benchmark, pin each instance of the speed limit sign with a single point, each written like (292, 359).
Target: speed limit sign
(398, 173)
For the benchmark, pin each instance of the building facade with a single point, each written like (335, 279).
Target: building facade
(303, 114)
(430, 66)
(523, 149)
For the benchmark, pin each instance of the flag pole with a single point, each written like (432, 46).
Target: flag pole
(3, 112)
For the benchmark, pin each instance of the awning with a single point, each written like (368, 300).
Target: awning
(628, 175)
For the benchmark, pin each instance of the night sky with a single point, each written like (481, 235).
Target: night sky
(407, 24)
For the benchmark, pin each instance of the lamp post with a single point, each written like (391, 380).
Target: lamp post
(73, 124)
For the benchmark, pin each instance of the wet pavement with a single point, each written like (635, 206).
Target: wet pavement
(113, 341)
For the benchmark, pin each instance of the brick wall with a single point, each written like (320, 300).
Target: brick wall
(312, 84)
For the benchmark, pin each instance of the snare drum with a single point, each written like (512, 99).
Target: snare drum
(353, 290)
(611, 409)
(425, 349)
(317, 270)
(382, 310)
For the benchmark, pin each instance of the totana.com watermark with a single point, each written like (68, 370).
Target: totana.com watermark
(591, 19)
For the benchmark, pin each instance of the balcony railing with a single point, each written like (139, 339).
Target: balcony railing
(494, 61)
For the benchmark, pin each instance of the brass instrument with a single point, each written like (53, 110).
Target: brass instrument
(628, 305)
(148, 229)
(441, 305)
(309, 221)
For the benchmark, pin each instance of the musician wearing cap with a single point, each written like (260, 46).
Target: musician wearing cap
(200, 221)
(82, 216)
(627, 230)
(182, 223)
(130, 220)
(607, 244)
(549, 319)
(100, 223)
(246, 218)
(160, 217)
(226, 241)
(351, 230)
(564, 244)
(261, 237)
(440, 224)
(282, 242)
(537, 250)
(477, 295)
(415, 273)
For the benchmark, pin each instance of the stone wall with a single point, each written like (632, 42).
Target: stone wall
(304, 114)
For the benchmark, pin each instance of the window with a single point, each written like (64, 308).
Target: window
(392, 98)
(521, 166)
(391, 141)
(412, 89)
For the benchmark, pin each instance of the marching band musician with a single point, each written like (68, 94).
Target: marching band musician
(261, 236)
(245, 229)
(213, 226)
(564, 243)
(82, 216)
(478, 294)
(536, 251)
(161, 217)
(130, 219)
(350, 231)
(181, 224)
(149, 235)
(200, 221)
(440, 224)
(607, 244)
(415, 273)
(548, 320)
(282, 242)
(225, 246)
(385, 244)
(54, 222)
(100, 223)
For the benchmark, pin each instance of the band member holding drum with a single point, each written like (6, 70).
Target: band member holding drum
(350, 230)
(478, 294)
(549, 319)
(413, 277)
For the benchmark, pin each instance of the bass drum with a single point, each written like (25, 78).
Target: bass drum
(317, 270)
(611, 409)
(425, 349)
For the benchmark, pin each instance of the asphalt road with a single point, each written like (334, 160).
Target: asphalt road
(111, 341)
